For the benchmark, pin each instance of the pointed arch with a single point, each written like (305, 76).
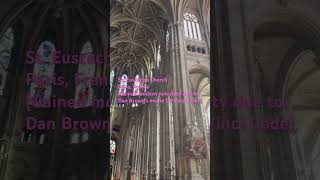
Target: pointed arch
(84, 91)
(136, 89)
(41, 92)
(123, 85)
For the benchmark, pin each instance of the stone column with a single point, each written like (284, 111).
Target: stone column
(145, 144)
(183, 117)
(244, 84)
(121, 147)
(153, 165)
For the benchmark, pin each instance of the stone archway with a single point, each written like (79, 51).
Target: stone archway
(286, 52)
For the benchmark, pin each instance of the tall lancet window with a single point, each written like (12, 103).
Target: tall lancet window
(136, 86)
(123, 85)
(191, 26)
(6, 44)
(84, 90)
(167, 41)
(111, 79)
(112, 146)
(40, 92)
(158, 57)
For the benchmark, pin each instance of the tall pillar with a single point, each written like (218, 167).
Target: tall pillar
(244, 83)
(153, 166)
(186, 132)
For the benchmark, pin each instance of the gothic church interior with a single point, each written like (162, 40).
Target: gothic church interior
(214, 48)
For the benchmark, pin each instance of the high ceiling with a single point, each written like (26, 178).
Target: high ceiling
(138, 32)
(36, 20)
(137, 29)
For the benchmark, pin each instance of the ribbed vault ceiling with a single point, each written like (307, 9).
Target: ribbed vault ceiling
(137, 28)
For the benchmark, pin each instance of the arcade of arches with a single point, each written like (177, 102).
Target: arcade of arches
(254, 49)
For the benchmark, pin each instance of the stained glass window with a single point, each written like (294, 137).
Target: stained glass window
(167, 41)
(85, 137)
(123, 85)
(6, 44)
(158, 57)
(111, 79)
(84, 90)
(112, 146)
(136, 85)
(74, 138)
(191, 26)
(43, 92)
(41, 139)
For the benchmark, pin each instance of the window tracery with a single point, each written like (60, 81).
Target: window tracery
(123, 85)
(191, 26)
(84, 90)
(136, 85)
(38, 92)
